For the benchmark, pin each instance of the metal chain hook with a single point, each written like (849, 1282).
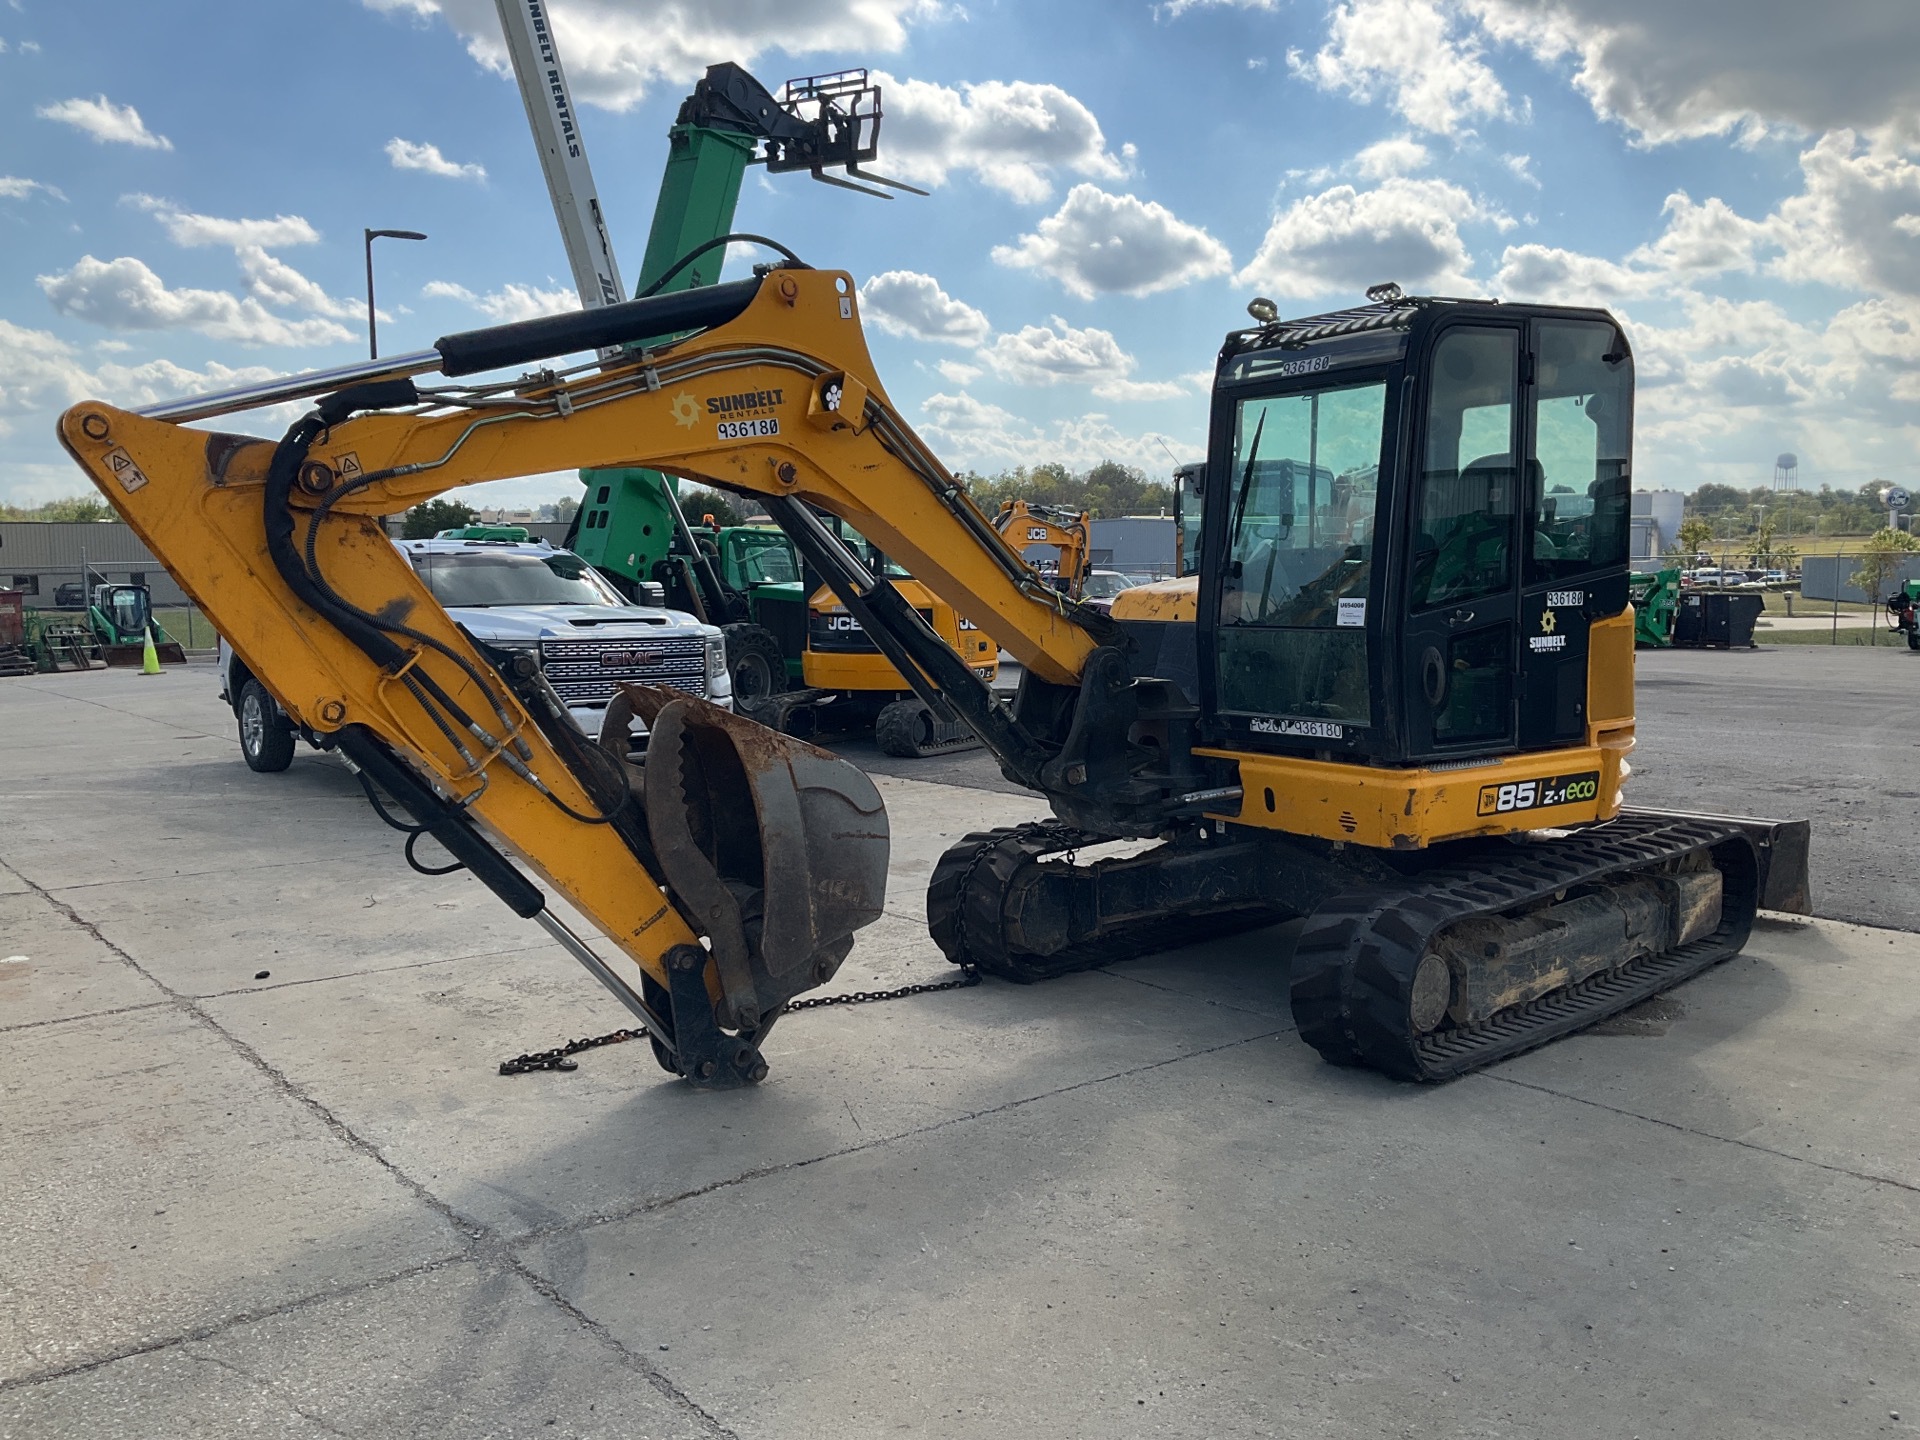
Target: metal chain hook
(558, 1057)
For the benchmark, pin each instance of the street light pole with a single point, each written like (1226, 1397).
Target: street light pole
(373, 339)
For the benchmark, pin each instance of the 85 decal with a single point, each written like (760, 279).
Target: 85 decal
(1539, 794)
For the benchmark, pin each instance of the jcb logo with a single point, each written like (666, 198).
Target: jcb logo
(842, 621)
(1498, 799)
(1036, 532)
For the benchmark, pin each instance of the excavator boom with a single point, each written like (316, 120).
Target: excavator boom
(734, 840)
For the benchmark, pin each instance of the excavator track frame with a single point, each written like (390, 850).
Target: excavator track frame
(1354, 964)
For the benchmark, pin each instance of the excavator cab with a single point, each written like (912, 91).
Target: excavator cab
(1417, 539)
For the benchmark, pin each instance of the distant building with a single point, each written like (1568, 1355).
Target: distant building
(1656, 523)
(37, 557)
(1135, 544)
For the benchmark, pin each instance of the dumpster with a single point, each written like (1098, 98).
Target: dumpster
(1718, 618)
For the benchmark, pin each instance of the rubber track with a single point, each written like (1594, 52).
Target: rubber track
(1353, 966)
(898, 726)
(966, 901)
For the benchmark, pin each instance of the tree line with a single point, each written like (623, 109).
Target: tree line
(1731, 513)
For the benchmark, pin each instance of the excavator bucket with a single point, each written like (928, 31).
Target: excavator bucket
(777, 848)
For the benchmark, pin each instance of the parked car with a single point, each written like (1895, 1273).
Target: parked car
(533, 598)
(70, 596)
(1102, 585)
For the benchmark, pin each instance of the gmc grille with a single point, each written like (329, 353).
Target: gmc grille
(584, 672)
(839, 632)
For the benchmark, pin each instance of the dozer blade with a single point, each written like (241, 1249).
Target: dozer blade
(133, 653)
(908, 730)
(776, 848)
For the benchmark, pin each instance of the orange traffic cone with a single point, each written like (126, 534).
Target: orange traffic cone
(150, 657)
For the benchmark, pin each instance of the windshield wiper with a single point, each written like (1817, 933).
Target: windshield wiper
(1246, 480)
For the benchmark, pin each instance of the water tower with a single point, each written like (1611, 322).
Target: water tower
(1786, 485)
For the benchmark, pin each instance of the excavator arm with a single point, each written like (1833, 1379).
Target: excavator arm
(734, 866)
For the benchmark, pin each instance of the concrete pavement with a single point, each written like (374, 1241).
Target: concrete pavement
(1125, 1203)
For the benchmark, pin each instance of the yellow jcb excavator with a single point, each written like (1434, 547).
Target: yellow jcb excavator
(1396, 700)
(1069, 532)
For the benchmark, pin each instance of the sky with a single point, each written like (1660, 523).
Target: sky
(1111, 181)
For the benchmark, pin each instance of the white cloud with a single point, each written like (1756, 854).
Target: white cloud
(1713, 67)
(1060, 354)
(958, 372)
(1342, 240)
(971, 434)
(274, 282)
(1847, 226)
(617, 52)
(1057, 353)
(1545, 272)
(1855, 225)
(1703, 239)
(1733, 382)
(508, 303)
(417, 155)
(41, 373)
(907, 303)
(1522, 168)
(1397, 155)
(1117, 244)
(1174, 9)
(183, 227)
(106, 122)
(123, 294)
(15, 187)
(1010, 135)
(1412, 52)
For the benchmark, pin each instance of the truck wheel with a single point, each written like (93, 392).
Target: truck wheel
(756, 663)
(265, 739)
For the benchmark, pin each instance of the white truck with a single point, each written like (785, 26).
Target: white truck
(527, 596)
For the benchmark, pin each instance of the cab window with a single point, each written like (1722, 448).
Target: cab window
(1579, 501)
(1463, 540)
(1299, 578)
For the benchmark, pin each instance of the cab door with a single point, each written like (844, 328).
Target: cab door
(1577, 508)
(1462, 596)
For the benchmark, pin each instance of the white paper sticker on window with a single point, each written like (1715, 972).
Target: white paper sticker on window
(1353, 612)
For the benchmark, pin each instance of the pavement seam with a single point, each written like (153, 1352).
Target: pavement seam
(264, 989)
(481, 1241)
(649, 1207)
(264, 1387)
(215, 1329)
(1889, 1181)
(90, 1015)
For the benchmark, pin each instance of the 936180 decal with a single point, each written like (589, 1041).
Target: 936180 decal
(1539, 794)
(748, 429)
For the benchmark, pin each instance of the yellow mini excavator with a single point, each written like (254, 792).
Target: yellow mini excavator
(1396, 699)
(1069, 532)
